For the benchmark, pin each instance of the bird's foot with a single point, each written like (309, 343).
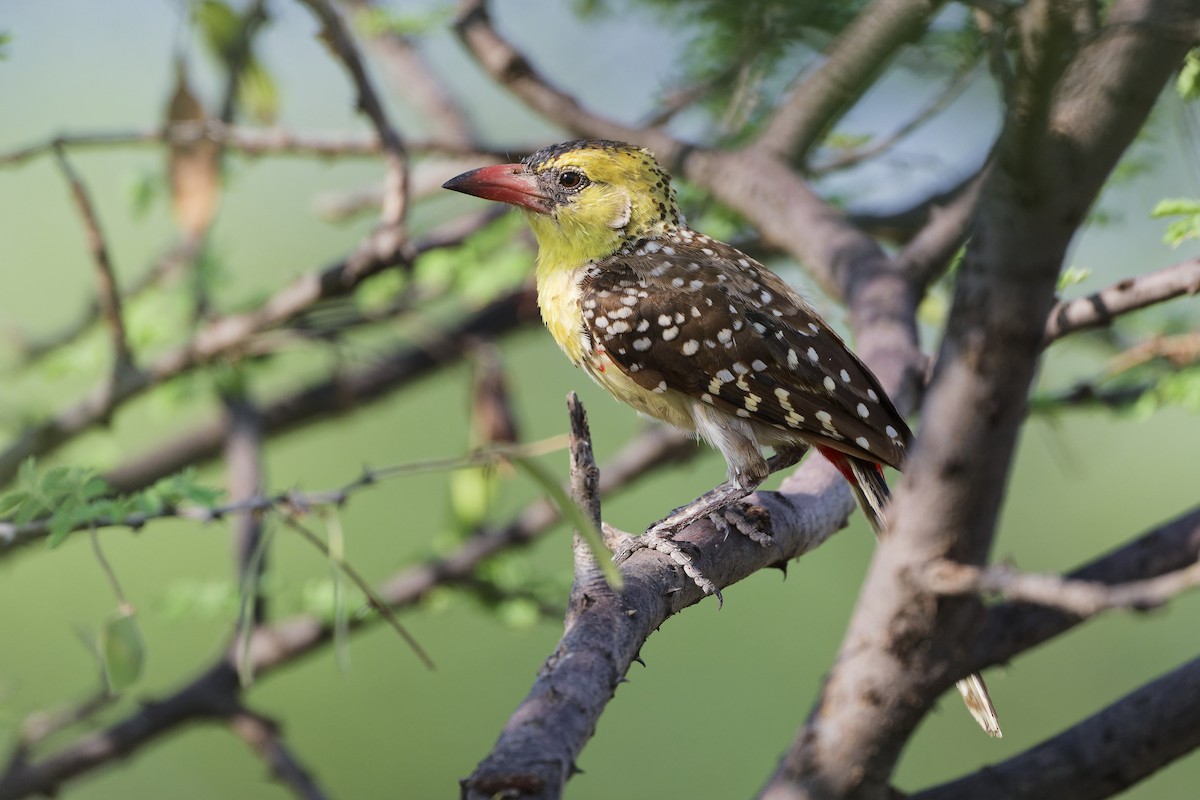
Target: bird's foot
(743, 518)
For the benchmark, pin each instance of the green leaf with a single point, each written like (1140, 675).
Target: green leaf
(1072, 276)
(5, 40)
(123, 652)
(472, 492)
(1179, 230)
(12, 501)
(143, 191)
(27, 474)
(1173, 206)
(580, 521)
(218, 25)
(55, 481)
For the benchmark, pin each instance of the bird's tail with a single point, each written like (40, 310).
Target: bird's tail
(872, 493)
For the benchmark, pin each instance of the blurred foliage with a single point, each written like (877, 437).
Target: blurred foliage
(223, 31)
(122, 650)
(1188, 224)
(67, 498)
(742, 53)
(376, 21)
(1187, 85)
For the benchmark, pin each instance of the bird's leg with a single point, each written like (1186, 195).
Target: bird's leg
(717, 505)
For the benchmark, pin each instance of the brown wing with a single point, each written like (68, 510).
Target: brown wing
(691, 314)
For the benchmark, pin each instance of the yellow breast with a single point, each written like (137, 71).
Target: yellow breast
(558, 298)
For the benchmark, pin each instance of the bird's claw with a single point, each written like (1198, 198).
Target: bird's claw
(660, 537)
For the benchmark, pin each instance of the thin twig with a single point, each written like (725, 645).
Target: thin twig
(173, 261)
(225, 335)
(13, 535)
(958, 82)
(244, 479)
(395, 196)
(1080, 598)
(108, 293)
(509, 67)
(264, 737)
(576, 681)
(252, 142)
(852, 62)
(413, 78)
(214, 692)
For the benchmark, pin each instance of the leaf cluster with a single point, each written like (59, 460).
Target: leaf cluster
(67, 498)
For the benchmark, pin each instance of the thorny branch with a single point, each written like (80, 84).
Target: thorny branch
(882, 294)
(214, 691)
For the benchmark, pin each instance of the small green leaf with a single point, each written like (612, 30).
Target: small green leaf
(575, 517)
(472, 492)
(94, 486)
(1179, 230)
(143, 191)
(1072, 276)
(12, 501)
(1174, 206)
(219, 25)
(123, 651)
(55, 481)
(27, 474)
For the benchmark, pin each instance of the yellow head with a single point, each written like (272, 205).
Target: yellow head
(583, 199)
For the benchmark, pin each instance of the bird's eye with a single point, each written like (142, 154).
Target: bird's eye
(570, 179)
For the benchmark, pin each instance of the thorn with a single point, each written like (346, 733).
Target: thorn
(639, 660)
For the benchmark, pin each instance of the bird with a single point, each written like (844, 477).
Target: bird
(691, 331)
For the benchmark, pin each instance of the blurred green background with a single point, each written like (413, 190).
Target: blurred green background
(722, 694)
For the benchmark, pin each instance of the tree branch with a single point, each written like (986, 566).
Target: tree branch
(347, 390)
(959, 81)
(1009, 629)
(213, 692)
(412, 77)
(854, 60)
(109, 295)
(901, 649)
(1079, 598)
(536, 752)
(1101, 756)
(264, 737)
(511, 69)
(334, 33)
(244, 470)
(380, 250)
(1101, 308)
